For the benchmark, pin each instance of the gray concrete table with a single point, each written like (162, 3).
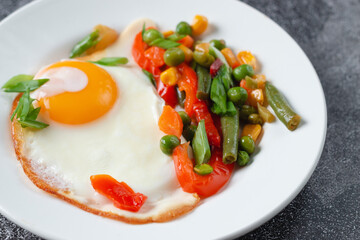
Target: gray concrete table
(329, 205)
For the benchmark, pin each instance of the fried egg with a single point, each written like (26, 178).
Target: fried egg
(103, 120)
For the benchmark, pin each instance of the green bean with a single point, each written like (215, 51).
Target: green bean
(86, 43)
(281, 107)
(243, 158)
(230, 131)
(180, 97)
(189, 132)
(204, 83)
(203, 169)
(185, 119)
(200, 145)
(168, 143)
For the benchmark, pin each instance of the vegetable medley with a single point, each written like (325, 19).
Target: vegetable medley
(222, 98)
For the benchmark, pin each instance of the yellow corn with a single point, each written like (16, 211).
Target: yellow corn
(107, 36)
(246, 57)
(188, 53)
(230, 57)
(251, 130)
(168, 33)
(256, 96)
(170, 76)
(199, 25)
(202, 47)
(260, 79)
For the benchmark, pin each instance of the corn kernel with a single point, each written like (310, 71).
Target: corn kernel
(202, 47)
(199, 25)
(256, 96)
(251, 130)
(260, 79)
(168, 33)
(188, 53)
(170, 76)
(230, 57)
(246, 57)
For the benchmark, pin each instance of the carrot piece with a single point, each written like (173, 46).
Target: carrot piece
(230, 57)
(170, 122)
(251, 130)
(187, 41)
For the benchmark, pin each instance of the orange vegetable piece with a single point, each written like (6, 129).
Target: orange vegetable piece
(251, 130)
(168, 33)
(256, 96)
(155, 55)
(246, 57)
(170, 122)
(199, 25)
(260, 79)
(230, 57)
(187, 41)
(107, 36)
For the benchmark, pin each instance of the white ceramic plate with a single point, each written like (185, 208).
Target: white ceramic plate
(44, 32)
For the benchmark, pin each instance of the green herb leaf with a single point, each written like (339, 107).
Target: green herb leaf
(225, 76)
(26, 85)
(26, 102)
(86, 43)
(33, 124)
(16, 79)
(231, 110)
(200, 145)
(143, 31)
(150, 76)
(111, 61)
(163, 43)
(33, 114)
(218, 96)
(175, 37)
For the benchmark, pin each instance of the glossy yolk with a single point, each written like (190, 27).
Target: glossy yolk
(83, 106)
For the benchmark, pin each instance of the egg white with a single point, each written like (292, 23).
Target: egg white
(124, 144)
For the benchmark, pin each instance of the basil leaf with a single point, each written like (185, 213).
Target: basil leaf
(33, 114)
(225, 75)
(231, 110)
(163, 43)
(143, 31)
(16, 79)
(33, 124)
(150, 76)
(86, 43)
(26, 85)
(175, 37)
(111, 61)
(218, 96)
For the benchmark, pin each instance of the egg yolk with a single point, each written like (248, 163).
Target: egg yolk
(83, 106)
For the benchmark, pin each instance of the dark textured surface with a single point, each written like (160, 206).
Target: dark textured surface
(328, 207)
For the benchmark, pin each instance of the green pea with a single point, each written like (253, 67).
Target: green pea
(189, 132)
(219, 44)
(247, 144)
(203, 169)
(174, 56)
(183, 28)
(237, 95)
(245, 111)
(151, 34)
(255, 118)
(242, 71)
(203, 58)
(185, 119)
(243, 158)
(168, 143)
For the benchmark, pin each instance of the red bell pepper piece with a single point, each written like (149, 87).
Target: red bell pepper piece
(191, 182)
(155, 55)
(202, 113)
(168, 93)
(119, 193)
(215, 66)
(170, 122)
(188, 83)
